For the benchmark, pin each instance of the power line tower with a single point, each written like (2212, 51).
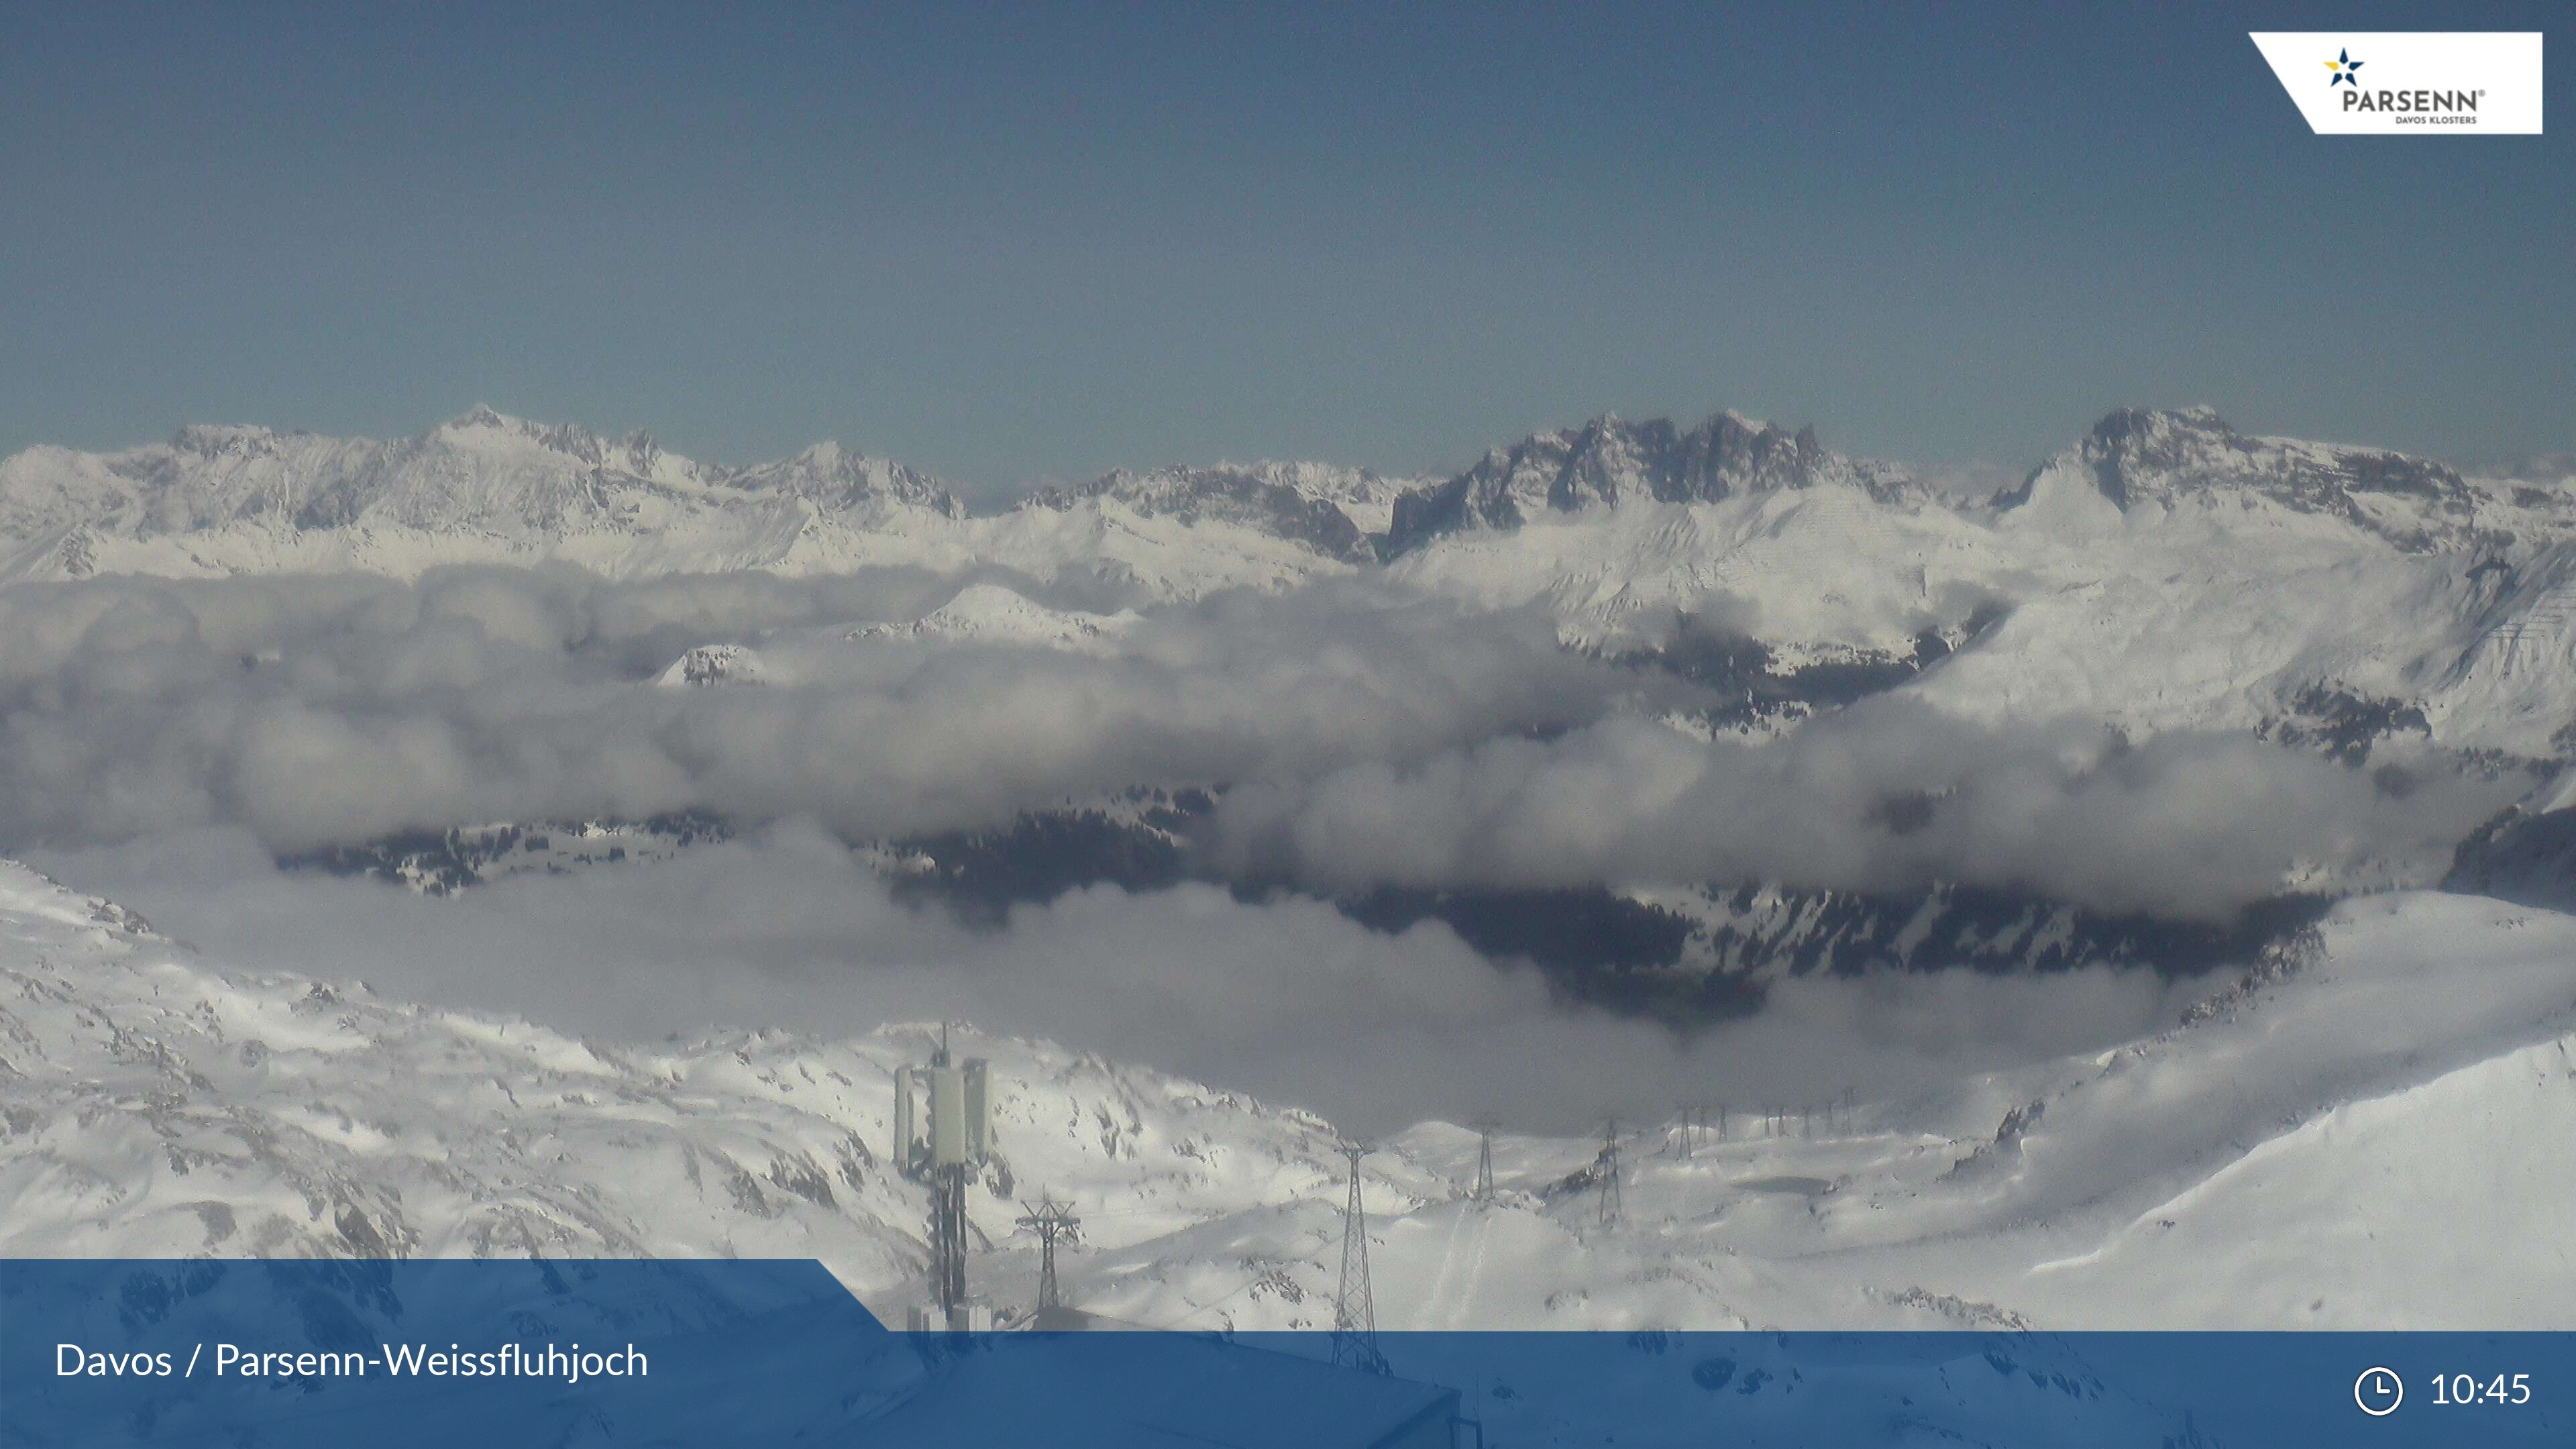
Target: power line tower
(1607, 1166)
(1485, 1127)
(1354, 1305)
(1690, 1129)
(1053, 1222)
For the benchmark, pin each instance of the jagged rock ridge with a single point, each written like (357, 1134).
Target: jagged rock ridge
(1610, 460)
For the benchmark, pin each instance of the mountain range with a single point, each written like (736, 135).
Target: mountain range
(229, 499)
(2336, 1130)
(2165, 571)
(485, 487)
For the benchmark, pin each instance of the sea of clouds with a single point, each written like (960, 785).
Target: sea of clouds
(163, 742)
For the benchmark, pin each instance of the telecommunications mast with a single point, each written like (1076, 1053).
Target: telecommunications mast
(943, 1131)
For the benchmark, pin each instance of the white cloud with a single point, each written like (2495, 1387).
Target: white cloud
(1288, 999)
(333, 710)
(1886, 795)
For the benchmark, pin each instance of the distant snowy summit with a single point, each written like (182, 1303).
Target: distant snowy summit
(991, 614)
(2158, 462)
(1328, 509)
(217, 500)
(1609, 461)
(2132, 462)
(983, 614)
(486, 487)
(479, 471)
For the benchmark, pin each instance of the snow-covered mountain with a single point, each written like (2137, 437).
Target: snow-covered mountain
(218, 500)
(2164, 572)
(2340, 1139)
(1331, 510)
(991, 614)
(158, 1107)
(1610, 460)
(2191, 458)
(485, 487)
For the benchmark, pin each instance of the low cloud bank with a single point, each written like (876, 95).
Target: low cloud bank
(1287, 999)
(1371, 738)
(313, 711)
(1886, 795)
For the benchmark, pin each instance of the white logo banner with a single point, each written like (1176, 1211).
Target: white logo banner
(2444, 83)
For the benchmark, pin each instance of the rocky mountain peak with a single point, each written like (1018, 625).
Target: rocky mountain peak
(2187, 457)
(1611, 460)
(223, 440)
(482, 415)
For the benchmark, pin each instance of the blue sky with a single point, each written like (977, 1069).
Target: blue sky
(1017, 243)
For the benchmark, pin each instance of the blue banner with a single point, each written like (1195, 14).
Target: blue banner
(495, 1354)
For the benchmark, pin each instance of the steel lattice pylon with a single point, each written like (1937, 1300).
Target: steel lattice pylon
(1354, 1305)
(1053, 1222)
(1607, 1165)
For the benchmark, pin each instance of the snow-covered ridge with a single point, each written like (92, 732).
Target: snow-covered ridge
(2226, 575)
(154, 1106)
(486, 487)
(1332, 510)
(1610, 460)
(481, 471)
(2340, 1140)
(2167, 460)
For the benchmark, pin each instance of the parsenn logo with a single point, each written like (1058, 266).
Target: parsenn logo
(2455, 104)
(2457, 83)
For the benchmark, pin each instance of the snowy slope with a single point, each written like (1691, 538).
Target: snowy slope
(2229, 1172)
(2343, 1142)
(991, 614)
(1829, 564)
(155, 1107)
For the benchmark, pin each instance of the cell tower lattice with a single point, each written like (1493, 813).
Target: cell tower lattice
(942, 1133)
(1354, 1305)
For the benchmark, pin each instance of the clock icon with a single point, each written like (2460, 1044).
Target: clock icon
(2378, 1392)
